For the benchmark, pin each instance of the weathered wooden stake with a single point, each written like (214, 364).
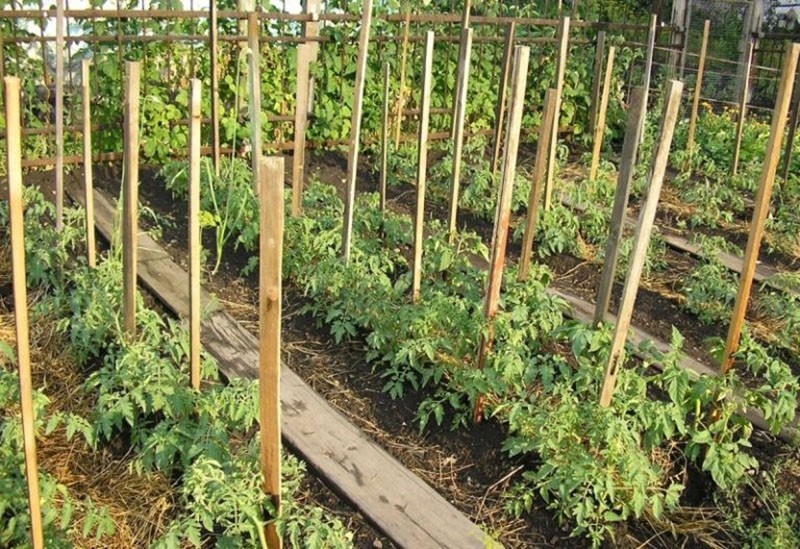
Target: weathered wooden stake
(761, 207)
(213, 32)
(458, 126)
(59, 99)
(422, 164)
(88, 181)
(630, 149)
(561, 67)
(648, 69)
(269, 360)
(500, 237)
(599, 55)
(401, 92)
(17, 225)
(355, 129)
(502, 94)
(304, 55)
(130, 195)
(742, 113)
(601, 118)
(540, 167)
(254, 74)
(698, 85)
(641, 241)
(195, 244)
(462, 59)
(387, 70)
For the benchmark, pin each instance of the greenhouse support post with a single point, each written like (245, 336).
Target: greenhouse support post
(88, 180)
(269, 331)
(539, 172)
(561, 67)
(597, 75)
(601, 117)
(401, 91)
(698, 86)
(630, 151)
(502, 95)
(458, 127)
(254, 75)
(17, 228)
(737, 147)
(195, 245)
(422, 165)
(761, 207)
(641, 240)
(387, 73)
(355, 129)
(130, 195)
(59, 100)
(304, 55)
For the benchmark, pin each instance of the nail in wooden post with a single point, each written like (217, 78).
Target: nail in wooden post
(648, 68)
(17, 225)
(599, 55)
(130, 195)
(194, 233)
(500, 237)
(355, 129)
(601, 119)
(641, 241)
(761, 207)
(795, 109)
(304, 54)
(422, 164)
(563, 51)
(698, 85)
(213, 32)
(742, 111)
(540, 167)
(253, 44)
(87, 164)
(502, 94)
(458, 127)
(269, 378)
(387, 68)
(59, 114)
(401, 93)
(630, 149)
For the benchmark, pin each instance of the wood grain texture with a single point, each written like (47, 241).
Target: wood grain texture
(600, 127)
(88, 181)
(195, 244)
(458, 126)
(130, 196)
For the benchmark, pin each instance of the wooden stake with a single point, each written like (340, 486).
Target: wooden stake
(462, 59)
(601, 119)
(422, 164)
(795, 109)
(630, 149)
(87, 164)
(563, 51)
(253, 32)
(304, 55)
(742, 112)
(401, 94)
(500, 236)
(641, 241)
(761, 207)
(269, 378)
(698, 85)
(387, 69)
(215, 140)
(195, 244)
(599, 55)
(130, 195)
(540, 167)
(355, 129)
(458, 127)
(59, 114)
(648, 69)
(17, 225)
(502, 94)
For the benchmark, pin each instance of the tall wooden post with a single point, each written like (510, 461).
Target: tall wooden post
(686, 35)
(678, 23)
(502, 94)
(88, 181)
(422, 165)
(742, 114)
(698, 85)
(601, 118)
(130, 195)
(648, 68)
(213, 47)
(561, 67)
(540, 167)
(599, 55)
(630, 149)
(59, 114)
(387, 72)
(269, 357)
(401, 92)
(519, 80)
(462, 58)
(304, 54)
(641, 241)
(195, 243)
(761, 207)
(795, 109)
(751, 26)
(17, 226)
(355, 129)
(458, 125)
(254, 74)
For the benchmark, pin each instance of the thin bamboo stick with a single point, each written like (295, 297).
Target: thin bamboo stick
(195, 244)
(88, 181)
(458, 126)
(601, 118)
(130, 201)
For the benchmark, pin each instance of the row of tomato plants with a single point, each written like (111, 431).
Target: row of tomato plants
(141, 395)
